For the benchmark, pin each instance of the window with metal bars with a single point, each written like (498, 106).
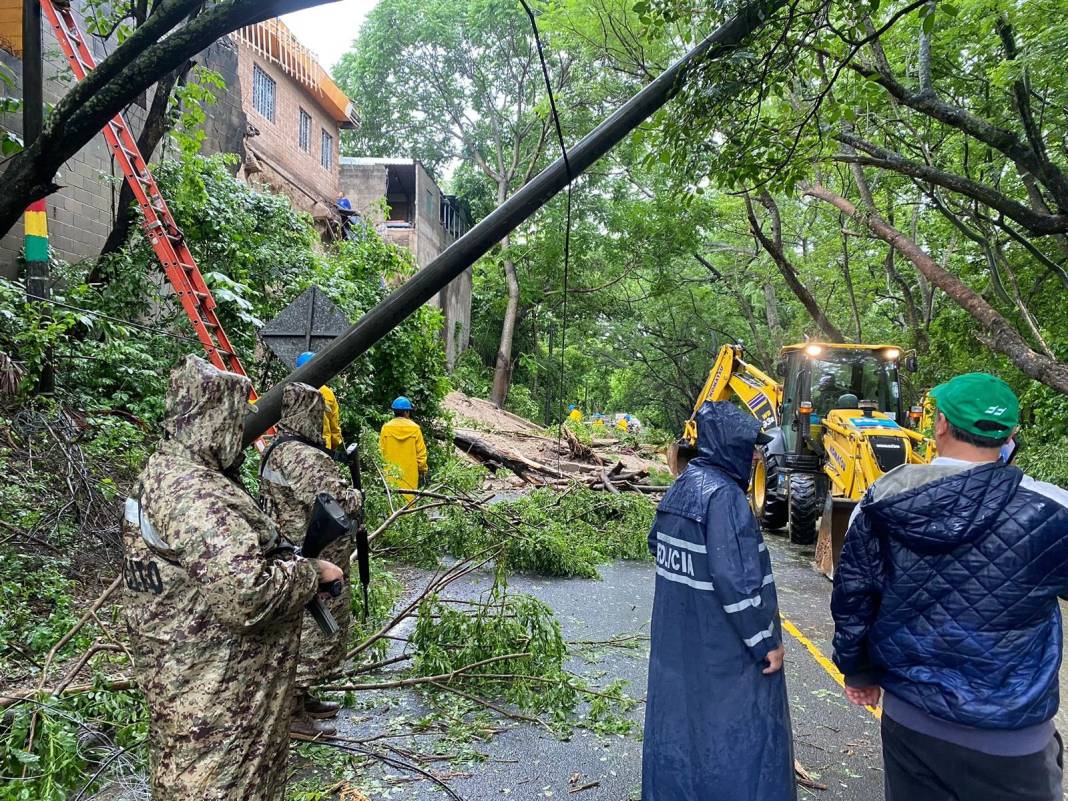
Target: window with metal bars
(304, 133)
(326, 154)
(264, 91)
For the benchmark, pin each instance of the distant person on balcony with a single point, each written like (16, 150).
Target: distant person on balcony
(344, 207)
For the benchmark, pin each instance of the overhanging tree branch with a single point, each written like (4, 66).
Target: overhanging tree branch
(156, 48)
(882, 158)
(1000, 139)
(997, 332)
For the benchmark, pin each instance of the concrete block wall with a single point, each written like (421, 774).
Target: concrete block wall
(81, 213)
(426, 238)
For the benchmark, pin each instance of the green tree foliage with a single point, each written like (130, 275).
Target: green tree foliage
(939, 124)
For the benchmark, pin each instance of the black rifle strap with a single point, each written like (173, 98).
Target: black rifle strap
(284, 438)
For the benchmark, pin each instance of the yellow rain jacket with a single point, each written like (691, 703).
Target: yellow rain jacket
(401, 443)
(331, 419)
(575, 416)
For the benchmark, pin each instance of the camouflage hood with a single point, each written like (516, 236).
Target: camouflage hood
(206, 412)
(302, 412)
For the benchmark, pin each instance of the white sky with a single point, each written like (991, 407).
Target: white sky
(329, 29)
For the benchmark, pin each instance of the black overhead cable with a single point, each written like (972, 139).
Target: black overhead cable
(570, 178)
(150, 329)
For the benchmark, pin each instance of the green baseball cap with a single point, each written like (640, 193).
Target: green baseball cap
(979, 403)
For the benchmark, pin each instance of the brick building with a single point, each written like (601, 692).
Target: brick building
(403, 202)
(283, 115)
(295, 115)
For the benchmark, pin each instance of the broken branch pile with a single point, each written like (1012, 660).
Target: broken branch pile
(592, 473)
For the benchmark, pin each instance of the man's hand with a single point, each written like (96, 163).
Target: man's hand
(328, 571)
(863, 696)
(774, 661)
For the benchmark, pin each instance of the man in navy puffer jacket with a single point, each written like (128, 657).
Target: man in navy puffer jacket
(946, 597)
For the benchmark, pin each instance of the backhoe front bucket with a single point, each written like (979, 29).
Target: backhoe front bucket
(833, 525)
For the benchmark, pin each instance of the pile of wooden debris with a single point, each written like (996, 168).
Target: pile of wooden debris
(499, 439)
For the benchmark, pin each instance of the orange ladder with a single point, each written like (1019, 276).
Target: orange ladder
(167, 239)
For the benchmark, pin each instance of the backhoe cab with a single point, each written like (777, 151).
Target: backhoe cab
(836, 423)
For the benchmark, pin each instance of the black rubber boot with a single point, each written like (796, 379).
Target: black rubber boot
(314, 707)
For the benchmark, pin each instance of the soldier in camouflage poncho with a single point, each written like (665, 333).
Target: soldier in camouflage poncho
(294, 470)
(214, 621)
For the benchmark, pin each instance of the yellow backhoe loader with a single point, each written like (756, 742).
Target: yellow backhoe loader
(836, 424)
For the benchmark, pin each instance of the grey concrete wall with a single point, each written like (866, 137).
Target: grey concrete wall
(365, 187)
(81, 213)
(426, 239)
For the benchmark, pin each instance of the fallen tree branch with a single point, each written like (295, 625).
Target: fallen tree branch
(113, 685)
(416, 680)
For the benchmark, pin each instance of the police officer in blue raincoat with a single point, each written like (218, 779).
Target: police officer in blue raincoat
(717, 724)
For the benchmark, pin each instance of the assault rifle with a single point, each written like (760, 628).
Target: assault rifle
(351, 457)
(328, 524)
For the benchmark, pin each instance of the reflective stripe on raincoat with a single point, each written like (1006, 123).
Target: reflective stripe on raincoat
(716, 728)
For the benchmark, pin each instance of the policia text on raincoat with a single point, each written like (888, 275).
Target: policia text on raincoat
(717, 724)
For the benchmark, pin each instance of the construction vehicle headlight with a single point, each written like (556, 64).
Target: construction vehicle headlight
(890, 354)
(916, 412)
(813, 350)
(805, 407)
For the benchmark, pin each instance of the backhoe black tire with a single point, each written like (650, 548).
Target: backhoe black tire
(770, 510)
(776, 514)
(804, 509)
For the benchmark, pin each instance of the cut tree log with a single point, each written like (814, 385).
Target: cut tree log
(484, 452)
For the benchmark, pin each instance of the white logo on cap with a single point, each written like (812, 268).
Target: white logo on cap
(997, 411)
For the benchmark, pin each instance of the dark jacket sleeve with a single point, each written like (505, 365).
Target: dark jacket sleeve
(855, 601)
(740, 575)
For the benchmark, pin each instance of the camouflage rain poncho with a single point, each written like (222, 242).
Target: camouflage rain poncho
(293, 474)
(214, 622)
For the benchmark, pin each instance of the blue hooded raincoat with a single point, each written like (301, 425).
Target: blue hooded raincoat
(716, 728)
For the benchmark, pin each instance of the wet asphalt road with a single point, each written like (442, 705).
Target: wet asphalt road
(837, 742)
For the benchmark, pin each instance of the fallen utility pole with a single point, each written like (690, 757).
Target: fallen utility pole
(426, 283)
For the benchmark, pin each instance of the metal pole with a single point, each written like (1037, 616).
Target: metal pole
(37, 278)
(421, 287)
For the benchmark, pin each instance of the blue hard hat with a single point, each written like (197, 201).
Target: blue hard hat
(401, 404)
(626, 417)
(571, 408)
(304, 358)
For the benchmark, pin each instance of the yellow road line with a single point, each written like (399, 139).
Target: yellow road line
(823, 661)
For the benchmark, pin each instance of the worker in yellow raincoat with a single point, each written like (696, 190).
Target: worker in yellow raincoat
(402, 446)
(332, 417)
(574, 413)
